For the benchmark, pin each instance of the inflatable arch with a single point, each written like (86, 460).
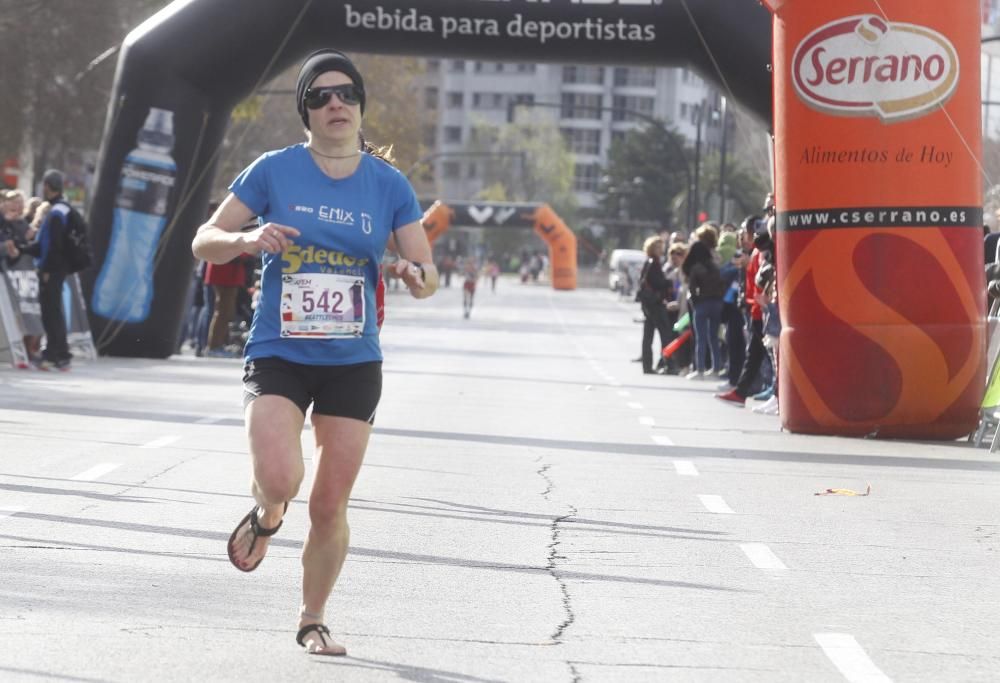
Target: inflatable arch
(181, 73)
(877, 146)
(439, 217)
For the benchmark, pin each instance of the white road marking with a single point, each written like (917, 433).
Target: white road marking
(845, 653)
(634, 406)
(161, 442)
(685, 468)
(715, 504)
(209, 420)
(9, 511)
(97, 471)
(762, 557)
(662, 440)
(624, 393)
(647, 421)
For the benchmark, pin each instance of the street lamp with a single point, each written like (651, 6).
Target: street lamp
(722, 161)
(701, 111)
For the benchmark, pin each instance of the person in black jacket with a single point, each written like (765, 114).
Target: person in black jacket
(705, 291)
(653, 291)
(49, 250)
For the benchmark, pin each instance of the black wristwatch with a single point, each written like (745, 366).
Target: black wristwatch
(420, 267)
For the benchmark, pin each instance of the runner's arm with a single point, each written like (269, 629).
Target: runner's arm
(411, 241)
(220, 240)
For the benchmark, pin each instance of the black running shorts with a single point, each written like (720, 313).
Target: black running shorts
(338, 390)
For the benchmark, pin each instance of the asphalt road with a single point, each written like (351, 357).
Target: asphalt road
(532, 508)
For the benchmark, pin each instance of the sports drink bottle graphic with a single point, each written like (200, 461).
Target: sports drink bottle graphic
(124, 287)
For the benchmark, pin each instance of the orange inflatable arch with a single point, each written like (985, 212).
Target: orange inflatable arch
(561, 241)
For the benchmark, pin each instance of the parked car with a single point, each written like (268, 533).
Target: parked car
(624, 267)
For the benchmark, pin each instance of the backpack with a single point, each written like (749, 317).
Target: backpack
(78, 254)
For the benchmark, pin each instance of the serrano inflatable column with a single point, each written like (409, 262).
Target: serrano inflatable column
(879, 201)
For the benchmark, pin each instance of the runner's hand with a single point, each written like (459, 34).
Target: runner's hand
(272, 238)
(409, 273)
(11, 248)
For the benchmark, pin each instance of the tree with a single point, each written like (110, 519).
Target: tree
(531, 164)
(525, 161)
(645, 183)
(745, 189)
(268, 119)
(393, 86)
(55, 87)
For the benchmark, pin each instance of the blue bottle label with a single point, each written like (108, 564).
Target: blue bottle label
(124, 287)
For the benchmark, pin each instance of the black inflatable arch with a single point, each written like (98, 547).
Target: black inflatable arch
(181, 73)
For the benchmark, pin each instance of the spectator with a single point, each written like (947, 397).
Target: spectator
(990, 242)
(49, 250)
(22, 276)
(763, 247)
(225, 280)
(653, 292)
(705, 290)
(677, 305)
(732, 262)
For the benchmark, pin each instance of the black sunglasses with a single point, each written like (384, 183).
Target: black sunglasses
(349, 94)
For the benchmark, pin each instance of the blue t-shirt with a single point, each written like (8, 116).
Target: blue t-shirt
(345, 224)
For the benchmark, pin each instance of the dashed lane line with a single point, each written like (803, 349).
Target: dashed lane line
(96, 471)
(762, 557)
(634, 405)
(685, 468)
(661, 440)
(715, 504)
(647, 421)
(161, 442)
(852, 661)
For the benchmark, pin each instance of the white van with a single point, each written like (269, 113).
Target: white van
(624, 267)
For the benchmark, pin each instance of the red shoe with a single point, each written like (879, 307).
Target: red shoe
(732, 397)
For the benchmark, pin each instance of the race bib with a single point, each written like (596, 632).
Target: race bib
(322, 306)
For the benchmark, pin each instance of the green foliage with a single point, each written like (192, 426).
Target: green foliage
(529, 163)
(646, 174)
(745, 189)
(55, 95)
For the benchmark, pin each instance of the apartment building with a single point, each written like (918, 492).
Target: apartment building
(592, 106)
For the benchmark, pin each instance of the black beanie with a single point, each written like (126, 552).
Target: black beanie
(320, 62)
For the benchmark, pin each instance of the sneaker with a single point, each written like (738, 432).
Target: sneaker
(220, 353)
(764, 395)
(725, 386)
(769, 408)
(695, 375)
(732, 398)
(62, 365)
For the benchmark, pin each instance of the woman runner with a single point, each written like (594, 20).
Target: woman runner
(326, 208)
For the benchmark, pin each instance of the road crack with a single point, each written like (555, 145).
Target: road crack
(552, 567)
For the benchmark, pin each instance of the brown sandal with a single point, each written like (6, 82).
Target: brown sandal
(257, 530)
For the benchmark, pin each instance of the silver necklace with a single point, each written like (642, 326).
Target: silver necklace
(331, 156)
